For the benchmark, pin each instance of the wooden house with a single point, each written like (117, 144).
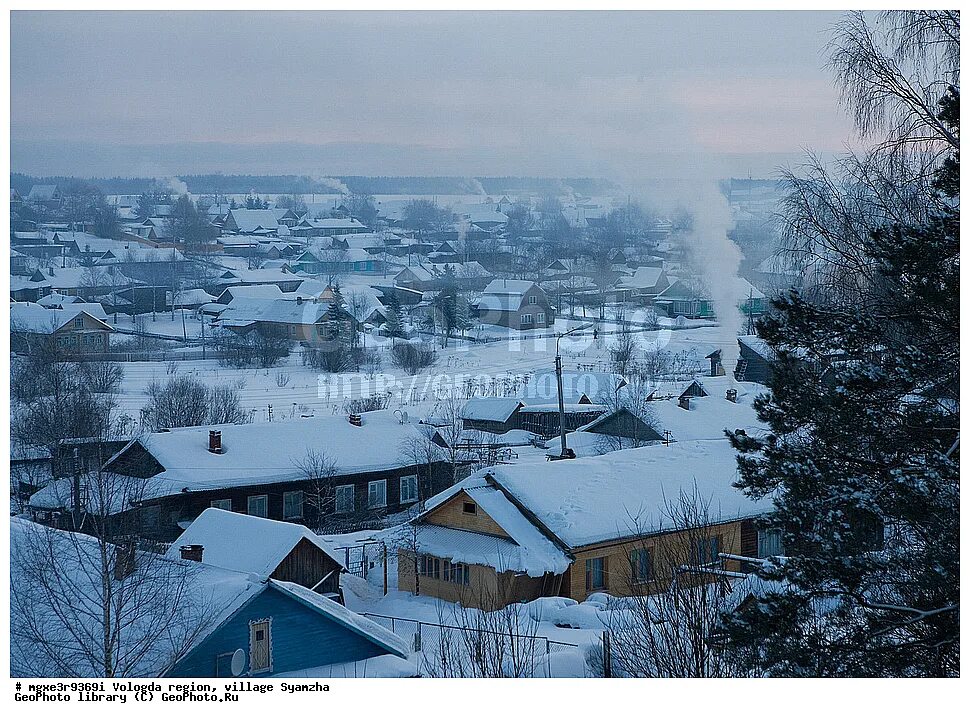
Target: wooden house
(284, 628)
(230, 623)
(257, 469)
(280, 550)
(543, 419)
(572, 528)
(516, 304)
(496, 415)
(31, 288)
(75, 329)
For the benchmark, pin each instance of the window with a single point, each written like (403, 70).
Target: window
(541, 318)
(533, 299)
(769, 543)
(409, 489)
(79, 322)
(224, 504)
(469, 507)
(455, 573)
(526, 319)
(595, 573)
(641, 565)
(292, 504)
(258, 506)
(345, 499)
(260, 646)
(429, 566)
(705, 550)
(377, 494)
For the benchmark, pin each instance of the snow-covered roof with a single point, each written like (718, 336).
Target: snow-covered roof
(489, 408)
(642, 278)
(42, 192)
(249, 220)
(188, 297)
(526, 550)
(567, 408)
(267, 542)
(759, 346)
(207, 596)
(280, 311)
(253, 291)
(31, 317)
(542, 386)
(624, 493)
(710, 415)
(271, 452)
(508, 286)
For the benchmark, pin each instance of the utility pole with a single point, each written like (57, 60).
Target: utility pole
(565, 453)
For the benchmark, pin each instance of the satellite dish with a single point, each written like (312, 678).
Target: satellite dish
(238, 663)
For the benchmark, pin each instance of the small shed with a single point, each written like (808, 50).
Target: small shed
(273, 549)
(496, 415)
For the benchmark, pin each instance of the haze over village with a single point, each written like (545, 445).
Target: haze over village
(527, 345)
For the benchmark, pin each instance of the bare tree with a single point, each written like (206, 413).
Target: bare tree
(186, 401)
(87, 602)
(320, 496)
(678, 588)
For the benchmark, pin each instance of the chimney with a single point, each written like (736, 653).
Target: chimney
(299, 300)
(124, 560)
(731, 395)
(355, 420)
(50, 270)
(717, 368)
(192, 552)
(684, 402)
(215, 442)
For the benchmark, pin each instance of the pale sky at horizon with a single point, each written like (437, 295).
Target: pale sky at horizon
(477, 93)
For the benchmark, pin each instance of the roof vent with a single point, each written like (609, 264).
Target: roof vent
(731, 395)
(355, 420)
(215, 442)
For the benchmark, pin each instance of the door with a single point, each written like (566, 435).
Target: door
(260, 654)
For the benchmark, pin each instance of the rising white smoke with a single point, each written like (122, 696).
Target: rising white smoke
(333, 183)
(476, 186)
(175, 185)
(716, 260)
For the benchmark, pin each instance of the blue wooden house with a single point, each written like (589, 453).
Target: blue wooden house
(282, 628)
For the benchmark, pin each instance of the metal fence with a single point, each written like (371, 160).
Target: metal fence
(426, 638)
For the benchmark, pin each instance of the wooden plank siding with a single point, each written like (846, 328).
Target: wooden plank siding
(307, 565)
(300, 638)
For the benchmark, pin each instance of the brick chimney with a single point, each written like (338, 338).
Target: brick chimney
(731, 395)
(192, 552)
(355, 420)
(215, 442)
(124, 560)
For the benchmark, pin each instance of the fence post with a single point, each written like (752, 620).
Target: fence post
(548, 661)
(607, 662)
(417, 638)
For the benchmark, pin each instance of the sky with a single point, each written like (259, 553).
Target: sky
(617, 95)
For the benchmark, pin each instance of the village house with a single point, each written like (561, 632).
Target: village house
(516, 304)
(252, 221)
(260, 469)
(31, 288)
(279, 550)
(47, 195)
(296, 319)
(231, 623)
(643, 286)
(694, 302)
(75, 329)
(515, 533)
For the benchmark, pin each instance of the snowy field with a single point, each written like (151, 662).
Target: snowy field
(294, 390)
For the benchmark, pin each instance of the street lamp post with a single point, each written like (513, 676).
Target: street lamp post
(565, 453)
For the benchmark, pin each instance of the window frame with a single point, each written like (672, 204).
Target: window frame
(287, 517)
(411, 481)
(525, 319)
(249, 505)
(637, 563)
(370, 485)
(590, 572)
(220, 504)
(767, 538)
(343, 488)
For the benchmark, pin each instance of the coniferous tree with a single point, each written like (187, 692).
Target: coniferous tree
(862, 458)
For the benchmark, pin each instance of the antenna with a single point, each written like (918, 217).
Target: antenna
(238, 663)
